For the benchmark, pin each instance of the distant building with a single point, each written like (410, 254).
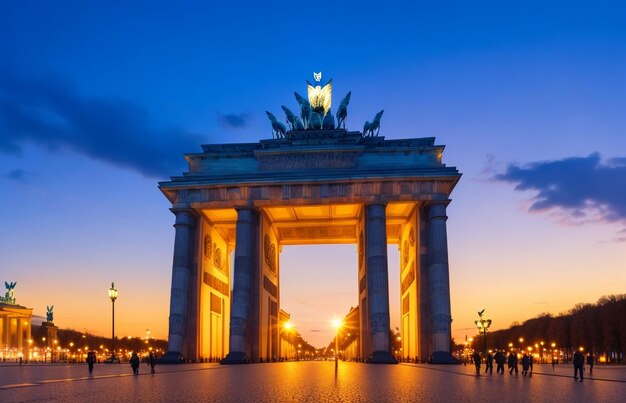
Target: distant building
(15, 331)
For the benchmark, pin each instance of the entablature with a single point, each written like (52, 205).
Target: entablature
(308, 193)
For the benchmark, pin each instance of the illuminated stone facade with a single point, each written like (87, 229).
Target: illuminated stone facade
(15, 331)
(312, 187)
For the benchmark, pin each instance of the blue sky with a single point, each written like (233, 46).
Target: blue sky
(99, 101)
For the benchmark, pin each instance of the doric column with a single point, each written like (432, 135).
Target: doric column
(5, 328)
(19, 333)
(181, 273)
(377, 282)
(439, 284)
(245, 261)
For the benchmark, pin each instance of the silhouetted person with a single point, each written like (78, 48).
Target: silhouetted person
(91, 359)
(500, 359)
(531, 365)
(476, 359)
(489, 364)
(589, 362)
(512, 361)
(152, 362)
(134, 363)
(579, 362)
(525, 364)
(553, 362)
(20, 361)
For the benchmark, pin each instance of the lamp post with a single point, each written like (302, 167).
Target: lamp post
(337, 323)
(483, 324)
(113, 296)
(288, 326)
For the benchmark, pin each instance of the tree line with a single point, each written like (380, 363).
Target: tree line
(598, 328)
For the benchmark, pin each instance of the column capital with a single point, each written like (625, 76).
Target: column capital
(437, 209)
(246, 208)
(376, 203)
(184, 216)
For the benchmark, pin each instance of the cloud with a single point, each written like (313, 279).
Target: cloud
(621, 236)
(51, 113)
(233, 120)
(18, 175)
(585, 188)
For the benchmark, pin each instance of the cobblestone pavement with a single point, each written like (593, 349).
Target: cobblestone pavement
(304, 382)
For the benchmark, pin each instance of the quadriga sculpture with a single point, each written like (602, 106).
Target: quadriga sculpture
(372, 129)
(305, 110)
(294, 121)
(342, 111)
(278, 129)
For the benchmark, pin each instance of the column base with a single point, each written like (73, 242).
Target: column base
(443, 358)
(381, 357)
(172, 357)
(234, 358)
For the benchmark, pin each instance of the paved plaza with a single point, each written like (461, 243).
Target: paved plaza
(303, 381)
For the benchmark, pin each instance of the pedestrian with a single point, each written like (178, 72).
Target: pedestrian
(525, 364)
(20, 360)
(152, 362)
(531, 365)
(91, 359)
(134, 363)
(476, 359)
(589, 362)
(553, 362)
(512, 361)
(579, 362)
(489, 363)
(500, 359)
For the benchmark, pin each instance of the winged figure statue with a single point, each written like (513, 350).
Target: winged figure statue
(320, 97)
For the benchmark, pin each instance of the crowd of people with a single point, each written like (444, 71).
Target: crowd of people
(512, 361)
(134, 362)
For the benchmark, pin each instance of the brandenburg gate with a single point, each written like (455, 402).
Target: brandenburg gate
(314, 182)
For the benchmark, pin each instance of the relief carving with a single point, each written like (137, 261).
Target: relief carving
(217, 257)
(270, 253)
(411, 237)
(405, 253)
(216, 304)
(307, 161)
(408, 280)
(208, 246)
(361, 247)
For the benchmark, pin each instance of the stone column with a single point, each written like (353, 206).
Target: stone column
(5, 325)
(181, 273)
(439, 284)
(19, 333)
(377, 282)
(245, 260)
(7, 331)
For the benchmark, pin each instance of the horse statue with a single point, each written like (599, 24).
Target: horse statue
(9, 298)
(278, 129)
(305, 110)
(294, 121)
(315, 121)
(328, 122)
(342, 111)
(372, 129)
(49, 313)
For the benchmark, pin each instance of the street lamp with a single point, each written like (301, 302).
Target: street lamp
(288, 326)
(483, 324)
(337, 323)
(113, 296)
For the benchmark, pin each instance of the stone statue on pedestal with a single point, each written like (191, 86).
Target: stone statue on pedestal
(49, 313)
(315, 113)
(9, 298)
